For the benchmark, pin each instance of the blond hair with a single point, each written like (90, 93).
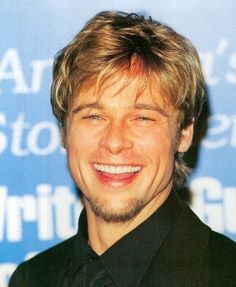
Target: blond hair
(109, 42)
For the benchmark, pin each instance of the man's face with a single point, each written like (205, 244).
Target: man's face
(121, 148)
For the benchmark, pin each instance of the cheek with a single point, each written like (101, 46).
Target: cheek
(158, 149)
(80, 138)
(157, 142)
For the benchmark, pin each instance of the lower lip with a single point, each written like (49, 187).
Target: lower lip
(116, 179)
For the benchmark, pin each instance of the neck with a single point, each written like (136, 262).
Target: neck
(102, 235)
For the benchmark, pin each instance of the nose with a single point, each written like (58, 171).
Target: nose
(116, 138)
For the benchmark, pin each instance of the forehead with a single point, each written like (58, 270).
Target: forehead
(123, 87)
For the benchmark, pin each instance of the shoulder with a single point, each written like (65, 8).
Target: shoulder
(222, 260)
(220, 252)
(221, 249)
(55, 255)
(218, 240)
(50, 262)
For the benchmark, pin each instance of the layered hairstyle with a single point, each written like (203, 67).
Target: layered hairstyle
(109, 43)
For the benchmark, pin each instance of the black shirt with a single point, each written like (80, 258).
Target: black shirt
(172, 248)
(125, 262)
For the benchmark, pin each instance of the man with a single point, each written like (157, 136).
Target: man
(126, 92)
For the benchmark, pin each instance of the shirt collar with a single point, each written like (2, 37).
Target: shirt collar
(129, 258)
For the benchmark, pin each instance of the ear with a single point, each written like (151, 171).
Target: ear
(186, 137)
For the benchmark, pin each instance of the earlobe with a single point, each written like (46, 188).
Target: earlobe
(186, 136)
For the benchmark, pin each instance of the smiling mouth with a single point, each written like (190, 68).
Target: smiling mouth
(111, 169)
(116, 175)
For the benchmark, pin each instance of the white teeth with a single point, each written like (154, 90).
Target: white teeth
(117, 169)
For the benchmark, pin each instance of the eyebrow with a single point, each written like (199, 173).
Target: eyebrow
(93, 105)
(137, 106)
(140, 106)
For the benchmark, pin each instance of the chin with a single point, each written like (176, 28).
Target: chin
(111, 212)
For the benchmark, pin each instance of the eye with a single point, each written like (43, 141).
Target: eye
(92, 117)
(144, 119)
